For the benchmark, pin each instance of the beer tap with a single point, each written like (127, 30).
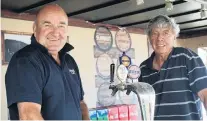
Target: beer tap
(113, 87)
(140, 89)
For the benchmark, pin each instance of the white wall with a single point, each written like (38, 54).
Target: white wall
(82, 40)
(193, 43)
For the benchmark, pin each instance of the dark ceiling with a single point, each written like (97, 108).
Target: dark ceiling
(124, 13)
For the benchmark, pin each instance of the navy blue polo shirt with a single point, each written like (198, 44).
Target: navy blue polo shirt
(34, 76)
(176, 85)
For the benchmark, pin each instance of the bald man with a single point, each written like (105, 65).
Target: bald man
(42, 80)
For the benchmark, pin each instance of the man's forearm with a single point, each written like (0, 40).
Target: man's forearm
(205, 103)
(85, 112)
(29, 111)
(203, 96)
(31, 116)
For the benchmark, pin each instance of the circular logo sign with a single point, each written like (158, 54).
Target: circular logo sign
(103, 38)
(104, 95)
(134, 72)
(103, 63)
(122, 72)
(123, 40)
(125, 60)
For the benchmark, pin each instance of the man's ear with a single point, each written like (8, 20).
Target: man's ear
(34, 28)
(148, 40)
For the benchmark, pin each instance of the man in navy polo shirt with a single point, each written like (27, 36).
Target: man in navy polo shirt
(42, 80)
(177, 74)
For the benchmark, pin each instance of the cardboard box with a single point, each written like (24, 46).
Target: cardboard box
(113, 113)
(92, 114)
(133, 112)
(102, 114)
(123, 112)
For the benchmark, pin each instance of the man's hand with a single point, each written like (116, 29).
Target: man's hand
(29, 111)
(85, 112)
(203, 96)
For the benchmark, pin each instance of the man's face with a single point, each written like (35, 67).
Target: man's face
(162, 39)
(50, 30)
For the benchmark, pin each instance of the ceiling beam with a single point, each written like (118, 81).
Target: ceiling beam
(107, 4)
(197, 32)
(33, 6)
(198, 1)
(193, 28)
(135, 12)
(185, 13)
(134, 23)
(175, 15)
(196, 20)
(71, 22)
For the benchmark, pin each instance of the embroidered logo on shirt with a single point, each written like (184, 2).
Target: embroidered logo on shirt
(72, 71)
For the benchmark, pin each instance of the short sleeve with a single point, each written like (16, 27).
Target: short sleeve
(197, 73)
(23, 81)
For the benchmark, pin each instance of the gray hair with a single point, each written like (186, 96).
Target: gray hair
(162, 21)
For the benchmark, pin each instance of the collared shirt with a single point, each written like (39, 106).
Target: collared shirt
(34, 76)
(176, 84)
